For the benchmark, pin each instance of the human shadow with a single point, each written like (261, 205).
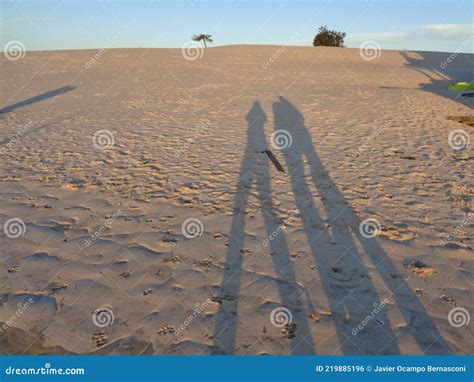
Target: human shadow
(254, 169)
(341, 263)
(442, 70)
(38, 98)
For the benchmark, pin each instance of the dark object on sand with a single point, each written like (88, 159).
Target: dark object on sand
(465, 119)
(41, 97)
(274, 160)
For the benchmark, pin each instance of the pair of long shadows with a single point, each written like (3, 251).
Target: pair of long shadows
(442, 77)
(255, 168)
(38, 98)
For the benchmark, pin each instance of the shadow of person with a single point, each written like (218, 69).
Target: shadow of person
(38, 98)
(442, 70)
(340, 262)
(255, 169)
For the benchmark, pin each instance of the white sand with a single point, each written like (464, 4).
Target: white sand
(390, 111)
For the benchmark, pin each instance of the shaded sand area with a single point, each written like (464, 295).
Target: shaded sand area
(142, 213)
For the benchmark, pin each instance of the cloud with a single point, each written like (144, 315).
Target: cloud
(445, 37)
(447, 31)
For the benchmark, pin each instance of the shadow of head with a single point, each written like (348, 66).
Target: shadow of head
(289, 122)
(256, 114)
(440, 71)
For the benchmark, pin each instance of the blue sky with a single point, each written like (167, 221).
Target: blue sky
(78, 24)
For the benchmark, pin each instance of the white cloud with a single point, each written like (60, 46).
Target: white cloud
(447, 31)
(445, 37)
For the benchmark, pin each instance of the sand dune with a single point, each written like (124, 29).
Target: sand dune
(151, 220)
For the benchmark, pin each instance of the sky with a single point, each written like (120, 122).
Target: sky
(436, 25)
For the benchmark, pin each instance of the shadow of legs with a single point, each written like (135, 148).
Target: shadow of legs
(345, 256)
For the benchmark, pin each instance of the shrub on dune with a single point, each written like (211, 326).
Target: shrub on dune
(326, 37)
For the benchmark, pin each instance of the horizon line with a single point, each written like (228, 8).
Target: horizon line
(243, 44)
